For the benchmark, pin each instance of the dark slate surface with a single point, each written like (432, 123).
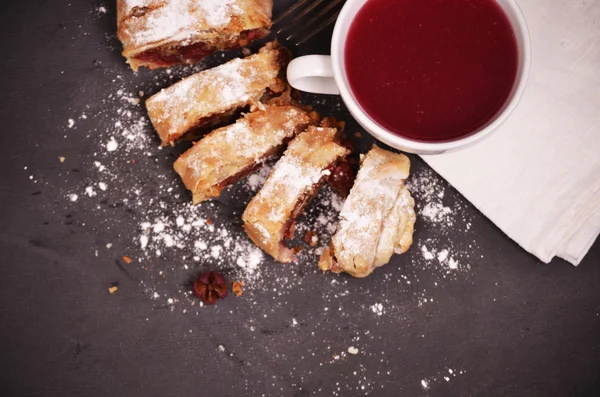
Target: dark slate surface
(509, 326)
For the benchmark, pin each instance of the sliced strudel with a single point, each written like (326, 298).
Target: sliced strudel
(162, 33)
(377, 218)
(206, 98)
(229, 153)
(270, 216)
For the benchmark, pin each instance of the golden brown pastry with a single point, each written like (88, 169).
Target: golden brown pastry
(205, 98)
(377, 218)
(270, 216)
(227, 154)
(162, 33)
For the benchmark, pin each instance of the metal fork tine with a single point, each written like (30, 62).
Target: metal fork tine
(291, 10)
(302, 13)
(319, 15)
(328, 22)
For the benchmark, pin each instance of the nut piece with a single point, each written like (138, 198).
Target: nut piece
(237, 288)
(209, 287)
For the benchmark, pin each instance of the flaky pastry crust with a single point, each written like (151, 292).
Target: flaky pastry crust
(162, 33)
(377, 218)
(269, 218)
(204, 98)
(229, 153)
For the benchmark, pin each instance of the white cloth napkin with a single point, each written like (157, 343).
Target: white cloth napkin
(538, 177)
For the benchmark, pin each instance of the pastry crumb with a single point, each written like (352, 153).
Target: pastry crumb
(311, 238)
(113, 289)
(237, 288)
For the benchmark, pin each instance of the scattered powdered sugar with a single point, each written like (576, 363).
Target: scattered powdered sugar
(184, 228)
(442, 255)
(452, 264)
(182, 237)
(443, 376)
(438, 213)
(452, 246)
(430, 192)
(256, 180)
(377, 308)
(112, 145)
(136, 206)
(428, 255)
(445, 257)
(90, 191)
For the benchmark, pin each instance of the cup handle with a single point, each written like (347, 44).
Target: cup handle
(312, 73)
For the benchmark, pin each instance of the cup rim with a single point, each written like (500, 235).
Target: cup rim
(420, 147)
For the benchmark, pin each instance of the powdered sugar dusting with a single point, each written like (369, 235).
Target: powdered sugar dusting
(229, 86)
(112, 145)
(438, 213)
(174, 20)
(178, 20)
(377, 308)
(256, 180)
(363, 216)
(297, 177)
(173, 232)
(219, 12)
(234, 148)
(144, 213)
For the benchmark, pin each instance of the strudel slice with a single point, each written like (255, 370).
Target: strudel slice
(205, 98)
(270, 217)
(162, 33)
(377, 218)
(229, 153)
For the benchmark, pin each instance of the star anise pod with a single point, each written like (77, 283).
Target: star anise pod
(210, 286)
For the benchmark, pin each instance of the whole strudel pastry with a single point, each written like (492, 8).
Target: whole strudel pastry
(207, 98)
(270, 217)
(377, 218)
(162, 33)
(229, 153)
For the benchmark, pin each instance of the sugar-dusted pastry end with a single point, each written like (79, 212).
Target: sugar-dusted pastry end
(377, 219)
(270, 217)
(163, 33)
(206, 98)
(229, 153)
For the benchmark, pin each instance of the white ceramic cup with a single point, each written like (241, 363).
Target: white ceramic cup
(323, 74)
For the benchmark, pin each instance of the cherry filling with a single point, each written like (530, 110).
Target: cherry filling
(342, 177)
(191, 53)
